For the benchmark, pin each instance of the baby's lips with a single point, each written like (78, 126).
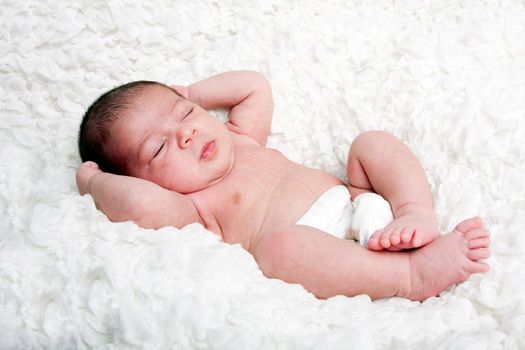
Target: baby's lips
(208, 150)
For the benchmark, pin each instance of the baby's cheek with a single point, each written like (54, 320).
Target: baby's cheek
(169, 179)
(161, 178)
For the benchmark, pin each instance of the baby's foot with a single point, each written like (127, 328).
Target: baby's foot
(84, 174)
(414, 228)
(447, 260)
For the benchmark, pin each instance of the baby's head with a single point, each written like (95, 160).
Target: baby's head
(95, 141)
(146, 129)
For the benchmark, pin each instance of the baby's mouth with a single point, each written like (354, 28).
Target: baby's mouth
(208, 150)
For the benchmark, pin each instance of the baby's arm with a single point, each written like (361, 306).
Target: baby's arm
(124, 198)
(246, 93)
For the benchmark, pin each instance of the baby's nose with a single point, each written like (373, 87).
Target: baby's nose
(185, 136)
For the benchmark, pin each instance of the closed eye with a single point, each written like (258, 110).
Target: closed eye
(160, 149)
(187, 114)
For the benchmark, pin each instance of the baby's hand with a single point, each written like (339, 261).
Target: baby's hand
(84, 173)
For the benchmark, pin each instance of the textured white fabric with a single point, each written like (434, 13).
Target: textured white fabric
(447, 77)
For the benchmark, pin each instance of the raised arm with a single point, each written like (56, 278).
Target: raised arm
(124, 198)
(246, 93)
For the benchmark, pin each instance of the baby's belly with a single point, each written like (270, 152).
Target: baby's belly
(263, 192)
(278, 206)
(295, 196)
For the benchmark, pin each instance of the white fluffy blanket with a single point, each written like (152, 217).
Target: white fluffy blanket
(447, 77)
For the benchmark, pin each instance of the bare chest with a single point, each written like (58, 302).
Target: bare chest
(264, 191)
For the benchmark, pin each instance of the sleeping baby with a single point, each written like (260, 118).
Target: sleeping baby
(154, 155)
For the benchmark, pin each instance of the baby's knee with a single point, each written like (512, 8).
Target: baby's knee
(369, 141)
(373, 136)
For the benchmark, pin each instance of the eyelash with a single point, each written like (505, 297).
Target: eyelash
(160, 149)
(186, 116)
(164, 143)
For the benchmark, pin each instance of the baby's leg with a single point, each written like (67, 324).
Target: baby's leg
(328, 266)
(124, 198)
(379, 162)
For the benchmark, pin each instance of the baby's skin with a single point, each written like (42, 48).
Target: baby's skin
(379, 162)
(412, 227)
(187, 167)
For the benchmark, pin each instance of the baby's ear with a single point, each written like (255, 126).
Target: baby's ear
(181, 90)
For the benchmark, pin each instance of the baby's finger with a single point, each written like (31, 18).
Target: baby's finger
(91, 164)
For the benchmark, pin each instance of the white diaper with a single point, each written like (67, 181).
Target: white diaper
(331, 213)
(334, 213)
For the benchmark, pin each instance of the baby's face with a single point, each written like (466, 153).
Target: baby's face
(173, 142)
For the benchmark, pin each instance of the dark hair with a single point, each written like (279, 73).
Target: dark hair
(95, 129)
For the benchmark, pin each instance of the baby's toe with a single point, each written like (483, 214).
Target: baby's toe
(479, 267)
(470, 224)
(385, 243)
(374, 241)
(395, 239)
(477, 233)
(479, 243)
(406, 236)
(416, 240)
(478, 254)
(386, 238)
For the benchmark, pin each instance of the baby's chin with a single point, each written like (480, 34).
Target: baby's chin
(189, 186)
(205, 183)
